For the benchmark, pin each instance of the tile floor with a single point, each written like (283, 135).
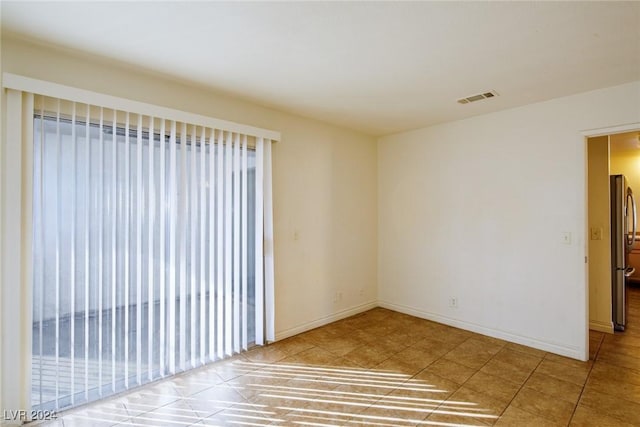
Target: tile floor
(383, 368)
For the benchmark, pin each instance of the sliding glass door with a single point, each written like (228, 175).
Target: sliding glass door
(144, 261)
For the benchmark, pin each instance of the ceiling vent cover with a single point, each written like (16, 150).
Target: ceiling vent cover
(478, 97)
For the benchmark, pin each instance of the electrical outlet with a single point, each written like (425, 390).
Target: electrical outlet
(453, 302)
(337, 297)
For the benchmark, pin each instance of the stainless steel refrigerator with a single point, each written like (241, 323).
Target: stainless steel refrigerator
(623, 232)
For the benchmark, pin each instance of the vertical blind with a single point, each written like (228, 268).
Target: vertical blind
(147, 248)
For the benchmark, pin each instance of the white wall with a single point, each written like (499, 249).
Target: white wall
(475, 209)
(324, 183)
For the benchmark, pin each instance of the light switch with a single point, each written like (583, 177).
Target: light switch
(565, 237)
(596, 233)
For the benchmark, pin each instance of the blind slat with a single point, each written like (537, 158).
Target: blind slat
(57, 249)
(212, 247)
(245, 242)
(219, 238)
(162, 250)
(172, 251)
(202, 249)
(182, 221)
(228, 316)
(72, 256)
(151, 212)
(236, 244)
(101, 260)
(87, 170)
(193, 210)
(259, 273)
(113, 215)
(41, 241)
(126, 201)
(139, 199)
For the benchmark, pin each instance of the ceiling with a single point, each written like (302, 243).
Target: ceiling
(376, 67)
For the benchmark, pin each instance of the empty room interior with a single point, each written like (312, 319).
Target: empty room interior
(320, 213)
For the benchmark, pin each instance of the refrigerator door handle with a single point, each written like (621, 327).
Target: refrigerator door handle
(631, 238)
(629, 271)
(635, 219)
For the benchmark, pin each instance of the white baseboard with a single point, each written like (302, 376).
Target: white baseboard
(601, 326)
(568, 351)
(280, 335)
(572, 352)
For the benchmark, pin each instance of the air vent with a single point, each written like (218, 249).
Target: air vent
(478, 97)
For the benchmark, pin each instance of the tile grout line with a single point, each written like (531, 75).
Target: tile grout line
(521, 387)
(595, 357)
(459, 385)
(360, 367)
(408, 379)
(368, 369)
(516, 393)
(478, 370)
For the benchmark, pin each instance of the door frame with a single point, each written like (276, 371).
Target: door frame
(586, 134)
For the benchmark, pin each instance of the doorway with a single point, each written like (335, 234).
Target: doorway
(612, 154)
